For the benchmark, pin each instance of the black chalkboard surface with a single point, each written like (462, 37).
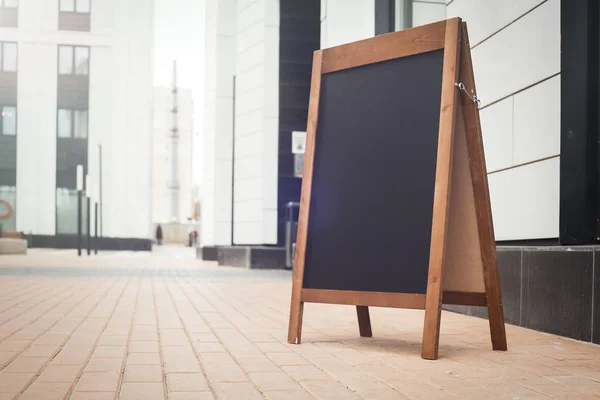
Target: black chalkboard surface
(374, 176)
(395, 208)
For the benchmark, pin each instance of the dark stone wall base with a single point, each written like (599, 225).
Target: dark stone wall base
(104, 243)
(207, 253)
(254, 257)
(549, 289)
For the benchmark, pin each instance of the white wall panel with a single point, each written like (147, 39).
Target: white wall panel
(249, 211)
(249, 101)
(525, 201)
(497, 130)
(346, 21)
(537, 122)
(250, 79)
(248, 189)
(248, 167)
(220, 56)
(252, 36)
(223, 192)
(127, 186)
(247, 232)
(519, 56)
(249, 146)
(486, 17)
(249, 123)
(38, 15)
(250, 15)
(428, 12)
(250, 57)
(36, 138)
(102, 17)
(100, 109)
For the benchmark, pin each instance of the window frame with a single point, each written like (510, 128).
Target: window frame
(75, 7)
(4, 6)
(72, 127)
(2, 107)
(73, 59)
(2, 44)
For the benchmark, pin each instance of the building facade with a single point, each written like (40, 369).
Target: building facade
(536, 65)
(520, 113)
(76, 78)
(258, 63)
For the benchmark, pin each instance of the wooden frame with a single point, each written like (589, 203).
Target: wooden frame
(462, 268)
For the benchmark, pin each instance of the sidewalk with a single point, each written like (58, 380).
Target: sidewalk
(147, 326)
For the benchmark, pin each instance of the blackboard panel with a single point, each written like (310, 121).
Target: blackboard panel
(374, 176)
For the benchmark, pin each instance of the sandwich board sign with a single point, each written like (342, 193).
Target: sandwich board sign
(395, 208)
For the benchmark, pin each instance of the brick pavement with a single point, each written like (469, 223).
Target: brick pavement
(141, 326)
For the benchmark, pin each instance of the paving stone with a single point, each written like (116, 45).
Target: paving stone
(14, 383)
(192, 396)
(223, 335)
(142, 391)
(59, 374)
(46, 391)
(98, 382)
(143, 373)
(143, 359)
(186, 383)
(104, 365)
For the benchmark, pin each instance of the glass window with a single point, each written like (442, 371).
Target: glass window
(66, 212)
(9, 57)
(65, 60)
(8, 201)
(9, 121)
(404, 14)
(83, 6)
(82, 60)
(65, 122)
(81, 124)
(67, 5)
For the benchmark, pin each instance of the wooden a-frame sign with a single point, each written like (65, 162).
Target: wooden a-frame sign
(462, 267)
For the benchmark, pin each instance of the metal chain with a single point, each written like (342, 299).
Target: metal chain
(474, 98)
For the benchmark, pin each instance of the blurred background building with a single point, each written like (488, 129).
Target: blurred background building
(76, 75)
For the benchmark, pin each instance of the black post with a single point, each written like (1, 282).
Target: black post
(96, 228)
(385, 16)
(100, 186)
(79, 218)
(89, 226)
(233, 163)
(579, 122)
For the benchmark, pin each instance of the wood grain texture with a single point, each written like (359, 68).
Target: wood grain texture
(439, 231)
(482, 198)
(297, 306)
(364, 321)
(465, 298)
(463, 271)
(385, 47)
(375, 299)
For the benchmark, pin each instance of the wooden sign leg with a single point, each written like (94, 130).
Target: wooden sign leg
(295, 325)
(364, 321)
(297, 305)
(482, 197)
(441, 201)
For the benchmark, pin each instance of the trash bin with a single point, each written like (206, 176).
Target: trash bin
(291, 229)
